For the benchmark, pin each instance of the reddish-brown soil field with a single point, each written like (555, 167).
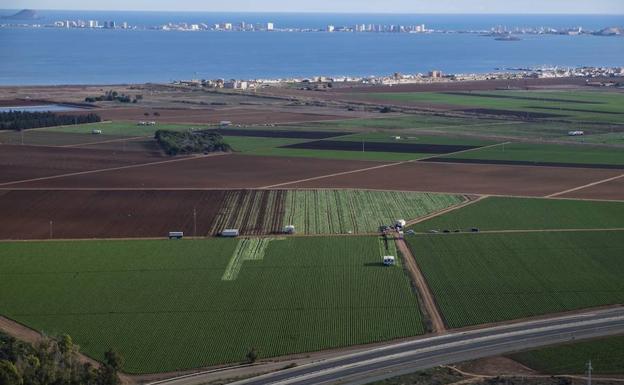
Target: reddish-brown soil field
(221, 171)
(51, 138)
(613, 190)
(464, 178)
(26, 162)
(125, 214)
(211, 116)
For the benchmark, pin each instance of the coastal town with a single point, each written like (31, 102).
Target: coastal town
(319, 83)
(31, 19)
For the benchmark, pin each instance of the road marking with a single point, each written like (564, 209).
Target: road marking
(112, 169)
(584, 186)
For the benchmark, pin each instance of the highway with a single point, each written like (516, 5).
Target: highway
(404, 357)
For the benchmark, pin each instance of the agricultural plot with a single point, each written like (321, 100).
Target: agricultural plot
(407, 148)
(357, 211)
(590, 106)
(253, 212)
(496, 213)
(607, 356)
(247, 249)
(337, 154)
(547, 154)
(123, 128)
(482, 278)
(165, 306)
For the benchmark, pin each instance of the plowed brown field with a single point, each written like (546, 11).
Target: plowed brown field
(463, 178)
(226, 171)
(26, 162)
(121, 214)
(613, 190)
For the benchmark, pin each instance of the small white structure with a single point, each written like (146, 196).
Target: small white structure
(141, 124)
(96, 132)
(176, 235)
(290, 229)
(230, 233)
(400, 223)
(389, 260)
(576, 133)
(151, 123)
(225, 123)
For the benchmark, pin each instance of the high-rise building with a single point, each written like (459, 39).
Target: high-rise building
(331, 28)
(269, 26)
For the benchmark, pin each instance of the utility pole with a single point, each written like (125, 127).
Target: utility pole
(195, 222)
(362, 145)
(589, 373)
(51, 230)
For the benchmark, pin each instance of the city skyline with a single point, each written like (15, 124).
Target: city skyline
(345, 6)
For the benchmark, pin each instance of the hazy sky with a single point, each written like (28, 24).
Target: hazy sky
(389, 6)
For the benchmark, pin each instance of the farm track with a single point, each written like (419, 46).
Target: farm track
(429, 308)
(585, 186)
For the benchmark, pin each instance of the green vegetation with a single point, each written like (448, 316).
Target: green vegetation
(113, 96)
(53, 361)
(190, 142)
(388, 137)
(337, 154)
(496, 213)
(578, 106)
(23, 120)
(358, 211)
(247, 249)
(124, 128)
(481, 278)
(548, 153)
(606, 355)
(164, 305)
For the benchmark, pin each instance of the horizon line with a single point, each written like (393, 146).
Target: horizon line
(323, 12)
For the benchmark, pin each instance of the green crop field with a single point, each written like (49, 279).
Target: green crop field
(338, 154)
(388, 137)
(165, 305)
(579, 106)
(482, 278)
(496, 213)
(606, 355)
(357, 211)
(548, 153)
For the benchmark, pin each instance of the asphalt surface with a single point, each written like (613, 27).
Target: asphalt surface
(404, 357)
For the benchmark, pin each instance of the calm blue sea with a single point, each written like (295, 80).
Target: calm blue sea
(59, 56)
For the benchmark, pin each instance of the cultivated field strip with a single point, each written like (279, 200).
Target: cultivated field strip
(253, 212)
(305, 294)
(357, 211)
(483, 278)
(247, 249)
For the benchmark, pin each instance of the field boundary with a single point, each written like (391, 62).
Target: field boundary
(429, 308)
(584, 186)
(374, 167)
(447, 210)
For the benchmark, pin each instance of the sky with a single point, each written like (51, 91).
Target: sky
(351, 6)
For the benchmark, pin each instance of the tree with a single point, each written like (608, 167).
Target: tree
(9, 374)
(114, 360)
(252, 356)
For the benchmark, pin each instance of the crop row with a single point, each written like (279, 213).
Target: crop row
(482, 278)
(165, 307)
(357, 211)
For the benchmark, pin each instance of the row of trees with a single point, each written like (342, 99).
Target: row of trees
(190, 142)
(53, 362)
(23, 120)
(113, 96)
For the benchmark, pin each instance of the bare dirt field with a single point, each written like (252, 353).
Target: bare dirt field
(464, 178)
(26, 162)
(26, 214)
(39, 137)
(225, 171)
(613, 190)
(210, 115)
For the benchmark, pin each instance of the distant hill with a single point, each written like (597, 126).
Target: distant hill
(612, 31)
(24, 14)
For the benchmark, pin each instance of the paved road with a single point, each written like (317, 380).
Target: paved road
(405, 357)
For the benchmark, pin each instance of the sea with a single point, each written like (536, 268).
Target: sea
(49, 56)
